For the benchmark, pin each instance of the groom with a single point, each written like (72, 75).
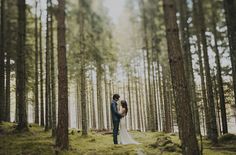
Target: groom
(116, 116)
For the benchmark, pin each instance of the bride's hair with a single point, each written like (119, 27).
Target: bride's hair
(124, 105)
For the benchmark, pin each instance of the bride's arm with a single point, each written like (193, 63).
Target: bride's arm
(122, 111)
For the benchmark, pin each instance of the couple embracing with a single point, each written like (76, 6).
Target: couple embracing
(118, 117)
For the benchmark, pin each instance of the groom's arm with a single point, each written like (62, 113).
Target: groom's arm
(113, 108)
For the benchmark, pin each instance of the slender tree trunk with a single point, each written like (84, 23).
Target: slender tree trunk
(8, 87)
(129, 103)
(219, 75)
(2, 63)
(62, 140)
(230, 11)
(182, 98)
(137, 103)
(36, 97)
(8, 64)
(210, 97)
(47, 83)
(41, 72)
(216, 96)
(20, 69)
(203, 88)
(184, 27)
(106, 99)
(53, 83)
(161, 98)
(83, 72)
(99, 97)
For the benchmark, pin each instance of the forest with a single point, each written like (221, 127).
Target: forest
(173, 62)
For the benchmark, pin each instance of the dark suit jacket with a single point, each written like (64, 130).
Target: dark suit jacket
(116, 116)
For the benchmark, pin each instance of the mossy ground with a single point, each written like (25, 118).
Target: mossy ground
(37, 142)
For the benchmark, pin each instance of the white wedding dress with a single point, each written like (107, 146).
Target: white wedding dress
(125, 137)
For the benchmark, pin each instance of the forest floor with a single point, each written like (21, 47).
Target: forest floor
(39, 142)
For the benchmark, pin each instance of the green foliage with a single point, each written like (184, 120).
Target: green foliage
(227, 138)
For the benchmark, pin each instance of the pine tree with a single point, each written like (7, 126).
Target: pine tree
(182, 98)
(20, 68)
(62, 139)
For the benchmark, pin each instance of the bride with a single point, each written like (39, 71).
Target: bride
(125, 137)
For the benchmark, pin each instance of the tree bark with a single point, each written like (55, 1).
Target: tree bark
(230, 11)
(2, 63)
(53, 82)
(62, 140)
(184, 28)
(20, 68)
(181, 94)
(41, 72)
(210, 97)
(36, 97)
(47, 82)
(219, 75)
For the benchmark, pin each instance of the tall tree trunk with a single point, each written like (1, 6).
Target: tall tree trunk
(47, 83)
(230, 11)
(184, 28)
(53, 83)
(146, 44)
(106, 99)
(129, 103)
(137, 103)
(210, 97)
(8, 86)
(182, 98)
(62, 140)
(99, 97)
(2, 63)
(203, 88)
(8, 64)
(20, 68)
(216, 97)
(41, 72)
(36, 98)
(161, 99)
(83, 72)
(219, 76)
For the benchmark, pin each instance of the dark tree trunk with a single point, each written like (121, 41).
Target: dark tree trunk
(47, 83)
(230, 11)
(36, 98)
(182, 98)
(53, 83)
(2, 63)
(8, 64)
(83, 71)
(8, 86)
(99, 97)
(210, 97)
(203, 88)
(184, 28)
(62, 140)
(219, 75)
(20, 68)
(41, 73)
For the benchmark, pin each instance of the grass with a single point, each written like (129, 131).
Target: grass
(37, 142)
